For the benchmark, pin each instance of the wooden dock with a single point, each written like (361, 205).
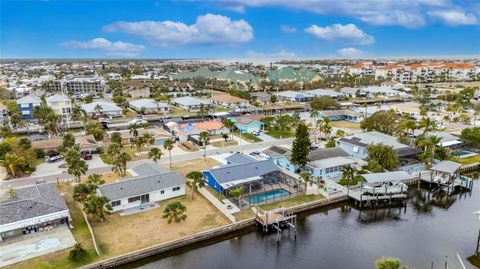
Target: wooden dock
(462, 182)
(277, 219)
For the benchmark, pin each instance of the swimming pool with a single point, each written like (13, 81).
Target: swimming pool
(464, 153)
(267, 196)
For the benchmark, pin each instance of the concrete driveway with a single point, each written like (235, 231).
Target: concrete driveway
(266, 137)
(48, 169)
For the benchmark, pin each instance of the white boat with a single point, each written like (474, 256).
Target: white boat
(385, 188)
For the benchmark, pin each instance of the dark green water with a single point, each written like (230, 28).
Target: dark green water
(427, 230)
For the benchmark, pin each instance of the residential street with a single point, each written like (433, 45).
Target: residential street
(26, 181)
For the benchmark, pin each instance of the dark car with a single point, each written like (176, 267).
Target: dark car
(86, 155)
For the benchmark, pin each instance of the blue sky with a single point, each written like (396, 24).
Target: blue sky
(239, 29)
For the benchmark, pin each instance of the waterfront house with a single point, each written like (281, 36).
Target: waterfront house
(149, 106)
(108, 109)
(150, 183)
(191, 104)
(85, 142)
(248, 123)
(33, 209)
(229, 101)
(26, 105)
(184, 131)
(61, 104)
(159, 136)
(323, 163)
(261, 181)
(325, 92)
(356, 145)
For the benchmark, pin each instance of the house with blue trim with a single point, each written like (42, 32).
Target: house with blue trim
(323, 163)
(26, 105)
(356, 145)
(248, 123)
(342, 114)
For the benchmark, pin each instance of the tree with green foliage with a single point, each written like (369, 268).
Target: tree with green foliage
(81, 191)
(96, 129)
(326, 127)
(204, 138)
(386, 122)
(471, 135)
(324, 103)
(430, 145)
(330, 143)
(175, 211)
(77, 168)
(134, 130)
(114, 149)
(306, 176)
(195, 181)
(340, 133)
(301, 146)
(168, 145)
(116, 137)
(77, 253)
(95, 180)
(427, 124)
(97, 206)
(12, 162)
(120, 163)
(388, 263)
(382, 157)
(5, 131)
(230, 125)
(68, 141)
(273, 98)
(4, 149)
(237, 194)
(155, 154)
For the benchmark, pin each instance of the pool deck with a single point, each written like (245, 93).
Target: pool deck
(35, 245)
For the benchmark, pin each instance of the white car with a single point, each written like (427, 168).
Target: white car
(137, 121)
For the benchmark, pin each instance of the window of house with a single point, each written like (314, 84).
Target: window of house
(133, 199)
(176, 189)
(116, 203)
(162, 192)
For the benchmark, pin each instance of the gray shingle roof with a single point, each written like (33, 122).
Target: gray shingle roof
(331, 162)
(229, 173)
(276, 151)
(31, 202)
(447, 167)
(239, 158)
(367, 138)
(326, 153)
(149, 178)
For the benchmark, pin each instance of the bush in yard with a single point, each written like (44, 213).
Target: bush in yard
(175, 212)
(77, 253)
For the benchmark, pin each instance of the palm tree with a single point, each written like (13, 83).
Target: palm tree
(195, 181)
(82, 191)
(326, 127)
(203, 110)
(114, 150)
(77, 168)
(95, 180)
(155, 154)
(319, 124)
(427, 124)
(175, 212)
(306, 176)
(168, 145)
(97, 206)
(230, 125)
(12, 162)
(476, 112)
(348, 175)
(120, 163)
(134, 130)
(148, 138)
(204, 138)
(99, 109)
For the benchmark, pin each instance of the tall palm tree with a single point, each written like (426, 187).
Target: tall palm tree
(155, 154)
(427, 124)
(120, 163)
(99, 109)
(148, 138)
(168, 145)
(204, 138)
(77, 168)
(230, 125)
(195, 181)
(134, 130)
(348, 175)
(11, 162)
(97, 206)
(326, 127)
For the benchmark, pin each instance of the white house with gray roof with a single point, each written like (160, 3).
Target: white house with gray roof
(107, 108)
(150, 183)
(34, 209)
(150, 106)
(191, 103)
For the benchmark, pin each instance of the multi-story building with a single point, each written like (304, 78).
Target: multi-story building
(81, 85)
(26, 105)
(61, 104)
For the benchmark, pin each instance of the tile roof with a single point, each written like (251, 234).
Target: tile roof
(31, 202)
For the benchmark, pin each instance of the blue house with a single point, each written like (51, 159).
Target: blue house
(26, 105)
(324, 163)
(248, 123)
(356, 145)
(344, 114)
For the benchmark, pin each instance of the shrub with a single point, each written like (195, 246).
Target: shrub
(77, 253)
(39, 154)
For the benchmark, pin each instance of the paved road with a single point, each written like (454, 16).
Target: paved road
(27, 181)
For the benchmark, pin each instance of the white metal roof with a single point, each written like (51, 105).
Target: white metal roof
(387, 176)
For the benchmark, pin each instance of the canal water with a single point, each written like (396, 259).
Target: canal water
(427, 230)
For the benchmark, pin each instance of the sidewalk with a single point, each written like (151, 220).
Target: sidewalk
(219, 205)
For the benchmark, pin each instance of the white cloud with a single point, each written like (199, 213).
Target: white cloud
(406, 13)
(288, 29)
(209, 29)
(118, 48)
(348, 33)
(350, 53)
(235, 8)
(455, 17)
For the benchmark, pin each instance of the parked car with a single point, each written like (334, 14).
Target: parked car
(52, 159)
(137, 121)
(86, 155)
(256, 133)
(254, 153)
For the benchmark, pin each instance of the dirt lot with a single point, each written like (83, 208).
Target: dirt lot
(346, 124)
(148, 228)
(194, 165)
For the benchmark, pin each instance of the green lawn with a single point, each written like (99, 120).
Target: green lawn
(106, 158)
(302, 199)
(221, 144)
(279, 135)
(248, 137)
(475, 260)
(468, 160)
(244, 214)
